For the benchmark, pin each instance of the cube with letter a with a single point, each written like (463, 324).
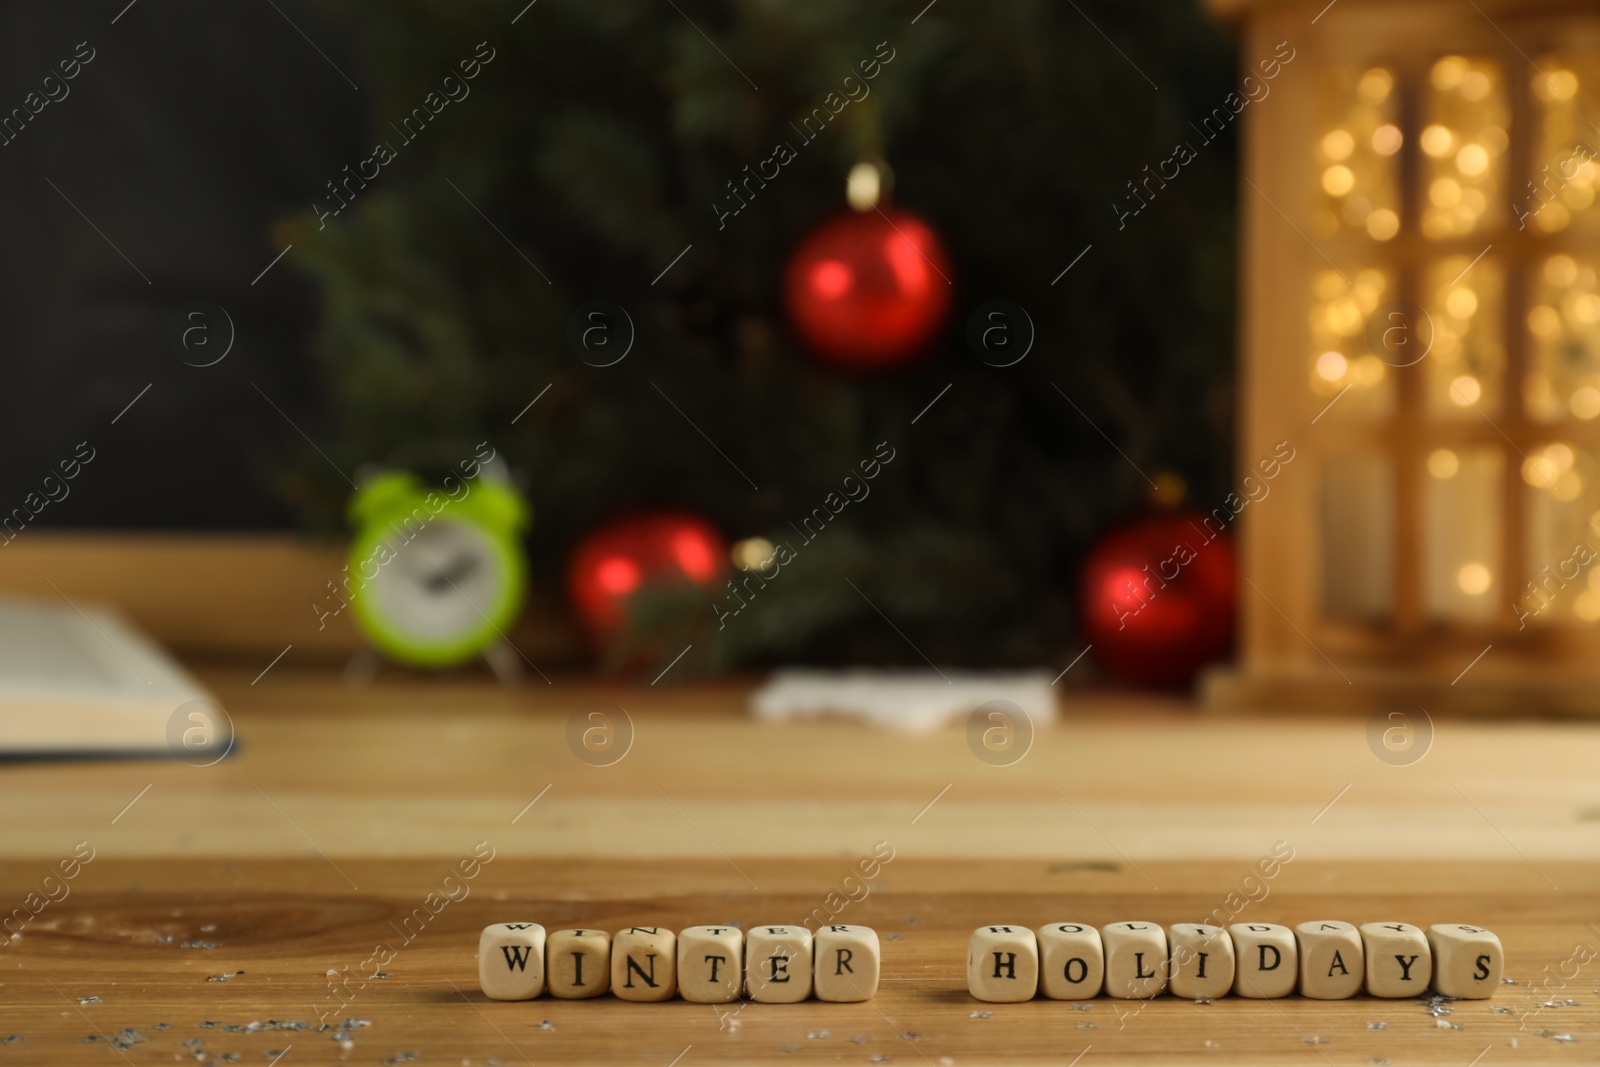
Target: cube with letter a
(511, 961)
(846, 963)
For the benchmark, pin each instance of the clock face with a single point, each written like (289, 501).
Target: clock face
(444, 583)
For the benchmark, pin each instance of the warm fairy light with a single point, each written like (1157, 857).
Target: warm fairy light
(1465, 390)
(1474, 579)
(1475, 85)
(1358, 170)
(1437, 140)
(1568, 487)
(1374, 86)
(1539, 471)
(862, 186)
(1560, 271)
(1367, 370)
(1544, 321)
(1563, 84)
(1331, 366)
(753, 553)
(1587, 605)
(1338, 180)
(1447, 72)
(1383, 224)
(1585, 308)
(1443, 463)
(1552, 217)
(1461, 302)
(1444, 192)
(1560, 455)
(1472, 160)
(1585, 402)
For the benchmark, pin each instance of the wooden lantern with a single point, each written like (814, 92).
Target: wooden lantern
(1420, 252)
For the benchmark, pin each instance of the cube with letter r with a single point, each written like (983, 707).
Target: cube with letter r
(846, 963)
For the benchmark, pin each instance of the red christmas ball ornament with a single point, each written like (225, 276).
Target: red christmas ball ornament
(868, 289)
(636, 552)
(1160, 598)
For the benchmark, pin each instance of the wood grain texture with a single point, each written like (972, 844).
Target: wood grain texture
(344, 808)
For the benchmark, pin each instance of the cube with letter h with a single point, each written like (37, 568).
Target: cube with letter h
(1003, 963)
(846, 963)
(511, 961)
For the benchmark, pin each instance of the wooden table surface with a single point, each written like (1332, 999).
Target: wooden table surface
(345, 807)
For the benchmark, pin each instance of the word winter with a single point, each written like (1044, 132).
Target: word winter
(1326, 960)
(703, 964)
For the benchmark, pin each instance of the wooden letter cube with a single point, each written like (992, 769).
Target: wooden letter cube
(1467, 961)
(511, 961)
(847, 963)
(710, 964)
(578, 963)
(644, 963)
(1003, 963)
(1202, 961)
(1136, 960)
(1266, 960)
(1072, 961)
(777, 964)
(1399, 961)
(1332, 963)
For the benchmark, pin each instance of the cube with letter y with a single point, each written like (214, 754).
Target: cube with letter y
(777, 964)
(846, 963)
(511, 961)
(1003, 963)
(1399, 962)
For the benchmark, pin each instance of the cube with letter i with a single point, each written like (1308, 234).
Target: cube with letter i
(847, 963)
(1467, 960)
(1003, 963)
(644, 964)
(511, 961)
(777, 964)
(710, 964)
(1266, 960)
(1399, 962)
(578, 963)
(1202, 961)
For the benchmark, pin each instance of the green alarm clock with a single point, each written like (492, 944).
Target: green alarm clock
(437, 574)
